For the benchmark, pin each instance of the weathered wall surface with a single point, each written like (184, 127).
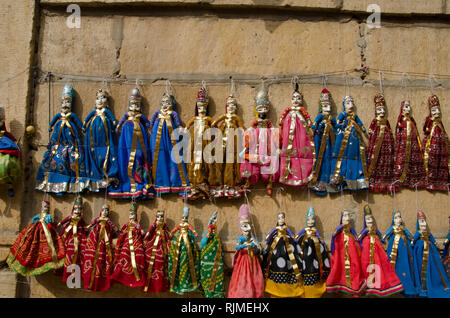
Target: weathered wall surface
(186, 42)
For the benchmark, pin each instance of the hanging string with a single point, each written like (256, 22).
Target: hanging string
(417, 197)
(380, 74)
(347, 87)
(309, 196)
(49, 75)
(405, 86)
(295, 82)
(367, 196)
(430, 79)
(324, 80)
(169, 88)
(393, 194)
(342, 199)
(233, 88)
(251, 215)
(448, 190)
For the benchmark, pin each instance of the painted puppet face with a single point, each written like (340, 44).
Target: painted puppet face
(231, 107)
(435, 112)
(45, 207)
(105, 211)
(160, 217)
(423, 225)
(185, 218)
(380, 111)
(349, 105)
(406, 109)
(166, 104)
(202, 107)
(281, 219)
(77, 210)
(310, 221)
(398, 219)
(134, 106)
(297, 99)
(245, 228)
(326, 107)
(262, 110)
(66, 105)
(132, 216)
(346, 217)
(101, 101)
(369, 221)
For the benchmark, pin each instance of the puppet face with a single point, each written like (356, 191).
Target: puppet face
(435, 112)
(77, 210)
(45, 208)
(231, 107)
(380, 111)
(297, 99)
(105, 211)
(185, 218)
(132, 216)
(310, 221)
(406, 109)
(398, 219)
(66, 105)
(281, 219)
(369, 221)
(101, 101)
(423, 225)
(202, 107)
(134, 106)
(346, 218)
(262, 110)
(326, 107)
(349, 105)
(160, 217)
(166, 104)
(245, 228)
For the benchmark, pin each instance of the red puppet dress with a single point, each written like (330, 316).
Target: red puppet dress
(156, 245)
(380, 150)
(98, 254)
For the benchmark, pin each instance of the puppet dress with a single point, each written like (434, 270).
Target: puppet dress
(380, 156)
(247, 280)
(345, 249)
(380, 275)
(129, 258)
(211, 264)
(315, 262)
(74, 243)
(156, 246)
(37, 249)
(409, 168)
(297, 147)
(168, 175)
(10, 168)
(98, 255)
(101, 153)
(282, 278)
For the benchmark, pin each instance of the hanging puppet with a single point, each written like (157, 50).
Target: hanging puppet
(314, 256)
(134, 153)
(429, 273)
(409, 168)
(38, 248)
(346, 274)
(380, 149)
(436, 148)
(247, 280)
(98, 256)
(62, 168)
(349, 154)
(380, 275)
(228, 170)
(100, 144)
(400, 253)
(200, 172)
(297, 155)
(74, 235)
(10, 168)
(168, 171)
(156, 246)
(211, 261)
(324, 134)
(281, 262)
(184, 258)
(129, 258)
(446, 254)
(261, 160)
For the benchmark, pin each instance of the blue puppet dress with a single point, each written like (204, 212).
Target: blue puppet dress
(429, 273)
(62, 169)
(324, 134)
(134, 159)
(168, 171)
(349, 154)
(401, 257)
(100, 145)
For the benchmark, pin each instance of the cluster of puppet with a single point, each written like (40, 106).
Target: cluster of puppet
(289, 266)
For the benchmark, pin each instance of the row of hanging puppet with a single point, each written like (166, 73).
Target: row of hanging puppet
(326, 154)
(289, 266)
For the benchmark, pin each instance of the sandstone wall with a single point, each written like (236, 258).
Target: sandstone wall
(191, 41)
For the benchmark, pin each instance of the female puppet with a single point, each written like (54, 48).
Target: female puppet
(228, 170)
(380, 274)
(436, 148)
(324, 134)
(408, 168)
(100, 144)
(134, 153)
(38, 248)
(156, 246)
(184, 258)
(10, 169)
(247, 280)
(261, 146)
(129, 259)
(400, 253)
(281, 262)
(297, 143)
(98, 256)
(349, 154)
(346, 274)
(211, 263)
(380, 150)
(62, 168)
(314, 256)
(168, 170)
(429, 273)
(200, 172)
(74, 235)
